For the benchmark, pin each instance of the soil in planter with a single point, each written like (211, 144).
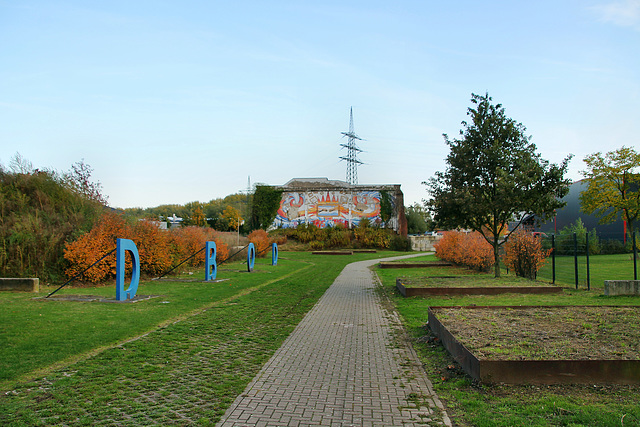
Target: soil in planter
(546, 333)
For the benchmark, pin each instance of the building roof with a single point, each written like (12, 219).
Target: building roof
(327, 184)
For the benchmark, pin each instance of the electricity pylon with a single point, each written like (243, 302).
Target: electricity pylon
(352, 153)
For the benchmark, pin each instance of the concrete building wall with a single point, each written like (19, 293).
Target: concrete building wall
(326, 203)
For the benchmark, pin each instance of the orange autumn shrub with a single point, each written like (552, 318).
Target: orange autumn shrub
(448, 248)
(477, 252)
(154, 248)
(261, 241)
(159, 250)
(188, 240)
(222, 249)
(470, 250)
(185, 242)
(94, 245)
(524, 254)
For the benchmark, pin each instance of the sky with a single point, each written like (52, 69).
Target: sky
(174, 102)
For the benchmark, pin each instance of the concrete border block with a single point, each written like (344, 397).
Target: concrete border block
(621, 287)
(23, 285)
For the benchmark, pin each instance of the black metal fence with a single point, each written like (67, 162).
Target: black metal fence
(583, 259)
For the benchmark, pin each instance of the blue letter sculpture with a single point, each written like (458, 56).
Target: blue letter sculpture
(210, 262)
(122, 246)
(274, 254)
(251, 257)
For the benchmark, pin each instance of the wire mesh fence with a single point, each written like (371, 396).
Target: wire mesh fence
(585, 259)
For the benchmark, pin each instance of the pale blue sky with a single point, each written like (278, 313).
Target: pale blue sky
(172, 102)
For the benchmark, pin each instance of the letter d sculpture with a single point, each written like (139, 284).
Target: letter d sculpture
(123, 246)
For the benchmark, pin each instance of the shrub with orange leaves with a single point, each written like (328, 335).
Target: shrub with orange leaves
(477, 252)
(185, 242)
(154, 247)
(94, 245)
(448, 248)
(188, 240)
(524, 254)
(470, 250)
(261, 241)
(159, 250)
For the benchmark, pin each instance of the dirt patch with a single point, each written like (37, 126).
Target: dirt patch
(546, 333)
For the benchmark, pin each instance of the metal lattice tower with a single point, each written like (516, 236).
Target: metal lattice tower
(352, 153)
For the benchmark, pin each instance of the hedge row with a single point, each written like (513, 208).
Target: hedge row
(362, 236)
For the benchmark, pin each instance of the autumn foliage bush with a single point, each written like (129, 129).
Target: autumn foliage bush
(159, 250)
(470, 250)
(524, 254)
(261, 241)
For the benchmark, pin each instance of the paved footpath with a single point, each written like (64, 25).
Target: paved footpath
(341, 367)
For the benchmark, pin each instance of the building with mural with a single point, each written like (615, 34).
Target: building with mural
(328, 203)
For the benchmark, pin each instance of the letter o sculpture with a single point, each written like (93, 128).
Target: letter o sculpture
(274, 254)
(251, 257)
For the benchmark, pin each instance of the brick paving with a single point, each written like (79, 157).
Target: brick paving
(341, 366)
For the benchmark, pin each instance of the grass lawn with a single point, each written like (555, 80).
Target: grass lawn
(472, 404)
(198, 345)
(601, 268)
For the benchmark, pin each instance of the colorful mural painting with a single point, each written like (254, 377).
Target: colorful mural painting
(328, 208)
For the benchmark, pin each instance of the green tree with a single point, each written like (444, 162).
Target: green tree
(494, 175)
(564, 239)
(197, 215)
(264, 206)
(387, 209)
(418, 219)
(613, 186)
(79, 180)
(232, 215)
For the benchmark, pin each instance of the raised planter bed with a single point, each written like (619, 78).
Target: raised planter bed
(415, 264)
(407, 290)
(332, 253)
(613, 362)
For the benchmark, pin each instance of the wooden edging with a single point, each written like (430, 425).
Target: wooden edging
(485, 290)
(534, 371)
(415, 264)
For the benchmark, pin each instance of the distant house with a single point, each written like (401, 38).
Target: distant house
(174, 221)
(161, 225)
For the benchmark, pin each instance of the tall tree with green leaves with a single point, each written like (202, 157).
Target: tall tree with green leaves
(264, 207)
(232, 215)
(418, 219)
(494, 175)
(613, 186)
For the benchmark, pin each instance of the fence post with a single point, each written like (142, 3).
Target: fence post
(553, 258)
(575, 257)
(588, 273)
(635, 257)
